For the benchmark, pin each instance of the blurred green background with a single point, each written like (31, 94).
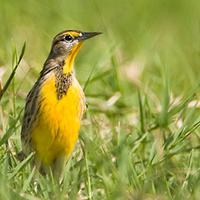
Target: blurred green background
(142, 36)
(141, 79)
(132, 29)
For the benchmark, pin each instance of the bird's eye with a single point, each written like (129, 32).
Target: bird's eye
(68, 38)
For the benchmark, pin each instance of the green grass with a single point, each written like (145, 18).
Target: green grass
(140, 137)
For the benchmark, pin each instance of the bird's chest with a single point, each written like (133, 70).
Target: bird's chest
(62, 102)
(59, 118)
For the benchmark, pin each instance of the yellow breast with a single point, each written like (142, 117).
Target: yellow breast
(56, 130)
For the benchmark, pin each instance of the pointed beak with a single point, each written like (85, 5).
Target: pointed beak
(87, 35)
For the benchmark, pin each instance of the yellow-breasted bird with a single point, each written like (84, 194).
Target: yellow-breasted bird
(55, 105)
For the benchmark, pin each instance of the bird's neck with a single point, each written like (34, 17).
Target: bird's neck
(68, 64)
(64, 61)
(69, 60)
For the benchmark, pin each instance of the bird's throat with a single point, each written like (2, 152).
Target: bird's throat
(69, 61)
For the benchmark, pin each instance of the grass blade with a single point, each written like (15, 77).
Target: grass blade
(13, 72)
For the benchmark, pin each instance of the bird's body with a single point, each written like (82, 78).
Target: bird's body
(55, 104)
(58, 122)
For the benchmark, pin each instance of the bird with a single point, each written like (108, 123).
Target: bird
(55, 105)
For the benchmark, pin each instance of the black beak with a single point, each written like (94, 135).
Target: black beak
(87, 35)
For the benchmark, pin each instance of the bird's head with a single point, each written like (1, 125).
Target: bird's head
(67, 44)
(69, 41)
